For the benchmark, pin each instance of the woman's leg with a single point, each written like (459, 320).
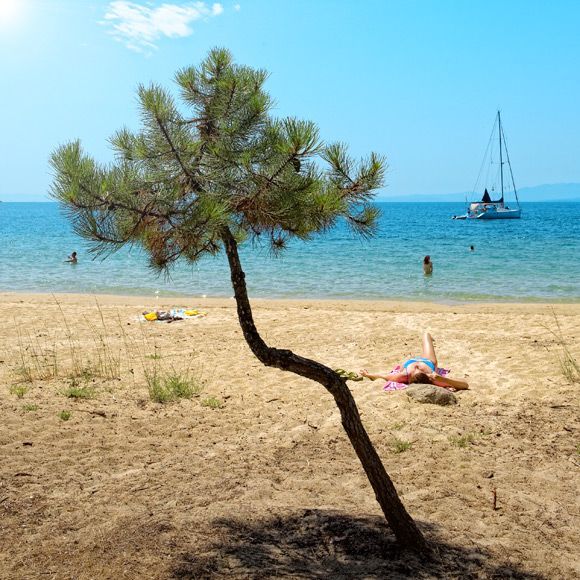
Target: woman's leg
(428, 348)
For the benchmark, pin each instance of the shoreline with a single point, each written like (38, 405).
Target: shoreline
(379, 305)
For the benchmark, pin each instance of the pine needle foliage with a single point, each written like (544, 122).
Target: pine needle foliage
(211, 159)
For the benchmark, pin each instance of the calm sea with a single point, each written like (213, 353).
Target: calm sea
(535, 258)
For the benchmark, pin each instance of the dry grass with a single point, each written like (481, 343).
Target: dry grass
(94, 353)
(568, 364)
(37, 355)
(45, 355)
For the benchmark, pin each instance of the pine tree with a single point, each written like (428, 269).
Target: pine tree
(219, 171)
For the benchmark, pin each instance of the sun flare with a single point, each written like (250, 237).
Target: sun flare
(10, 11)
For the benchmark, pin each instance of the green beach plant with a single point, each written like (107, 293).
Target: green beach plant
(157, 391)
(19, 390)
(64, 415)
(172, 386)
(182, 386)
(462, 441)
(399, 445)
(79, 392)
(211, 402)
(29, 407)
(216, 170)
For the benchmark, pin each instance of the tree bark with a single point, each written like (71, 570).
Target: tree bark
(403, 526)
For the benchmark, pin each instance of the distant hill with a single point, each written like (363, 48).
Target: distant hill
(547, 192)
(551, 192)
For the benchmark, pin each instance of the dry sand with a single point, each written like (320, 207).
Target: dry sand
(267, 484)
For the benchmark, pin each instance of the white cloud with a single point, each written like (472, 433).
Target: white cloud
(139, 27)
(237, 7)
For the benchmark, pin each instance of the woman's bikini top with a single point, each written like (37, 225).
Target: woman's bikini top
(426, 361)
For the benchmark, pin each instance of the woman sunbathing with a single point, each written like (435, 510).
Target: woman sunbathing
(420, 370)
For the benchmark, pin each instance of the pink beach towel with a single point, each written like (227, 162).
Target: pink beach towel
(394, 386)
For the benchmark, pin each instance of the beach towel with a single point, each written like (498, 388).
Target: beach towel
(172, 315)
(394, 386)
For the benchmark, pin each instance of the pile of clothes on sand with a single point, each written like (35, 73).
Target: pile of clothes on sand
(172, 315)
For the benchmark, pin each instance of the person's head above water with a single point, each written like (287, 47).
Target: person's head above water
(472, 248)
(426, 259)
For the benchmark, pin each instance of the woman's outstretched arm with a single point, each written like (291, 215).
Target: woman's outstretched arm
(440, 381)
(396, 377)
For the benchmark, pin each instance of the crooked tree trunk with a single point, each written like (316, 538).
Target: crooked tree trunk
(403, 526)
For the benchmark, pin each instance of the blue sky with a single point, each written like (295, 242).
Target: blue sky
(418, 81)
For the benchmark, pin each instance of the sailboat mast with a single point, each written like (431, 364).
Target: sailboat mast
(500, 155)
(510, 166)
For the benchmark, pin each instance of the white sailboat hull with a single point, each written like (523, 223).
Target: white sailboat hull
(499, 213)
(491, 214)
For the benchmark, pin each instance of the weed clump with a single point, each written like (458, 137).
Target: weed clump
(19, 390)
(212, 403)
(64, 415)
(171, 387)
(76, 392)
(462, 441)
(399, 445)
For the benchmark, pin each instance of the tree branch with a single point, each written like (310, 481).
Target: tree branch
(192, 180)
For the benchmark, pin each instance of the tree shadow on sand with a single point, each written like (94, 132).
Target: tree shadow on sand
(324, 544)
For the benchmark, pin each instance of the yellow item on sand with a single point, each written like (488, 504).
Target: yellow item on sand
(191, 312)
(150, 316)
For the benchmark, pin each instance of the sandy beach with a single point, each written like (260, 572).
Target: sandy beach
(253, 477)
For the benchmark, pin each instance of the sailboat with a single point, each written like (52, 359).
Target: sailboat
(486, 208)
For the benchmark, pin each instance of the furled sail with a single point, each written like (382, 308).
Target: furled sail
(487, 198)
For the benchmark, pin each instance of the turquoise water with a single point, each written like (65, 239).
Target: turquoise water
(532, 259)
